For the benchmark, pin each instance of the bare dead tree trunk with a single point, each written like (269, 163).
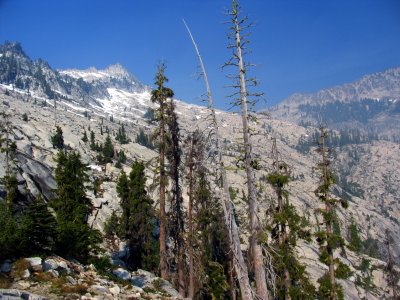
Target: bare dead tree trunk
(255, 226)
(227, 205)
(328, 209)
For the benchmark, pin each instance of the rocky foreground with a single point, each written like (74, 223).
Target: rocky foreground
(53, 277)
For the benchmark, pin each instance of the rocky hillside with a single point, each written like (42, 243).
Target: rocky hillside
(368, 173)
(371, 104)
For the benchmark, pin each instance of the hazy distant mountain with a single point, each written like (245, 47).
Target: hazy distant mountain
(371, 104)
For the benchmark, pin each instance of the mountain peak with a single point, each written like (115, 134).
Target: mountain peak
(12, 47)
(117, 70)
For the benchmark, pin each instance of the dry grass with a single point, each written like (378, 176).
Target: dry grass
(19, 268)
(5, 281)
(60, 286)
(43, 277)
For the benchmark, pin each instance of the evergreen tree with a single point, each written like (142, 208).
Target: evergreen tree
(9, 148)
(138, 219)
(108, 150)
(287, 226)
(159, 96)
(93, 145)
(121, 158)
(112, 226)
(8, 233)
(123, 193)
(57, 139)
(210, 241)
(176, 227)
(38, 228)
(327, 239)
(143, 139)
(355, 242)
(72, 207)
(121, 135)
(84, 138)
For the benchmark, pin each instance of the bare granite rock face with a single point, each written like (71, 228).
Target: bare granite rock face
(376, 171)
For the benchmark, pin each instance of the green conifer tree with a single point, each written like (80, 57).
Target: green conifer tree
(121, 135)
(287, 226)
(37, 229)
(72, 207)
(84, 138)
(57, 139)
(355, 242)
(326, 237)
(108, 150)
(160, 95)
(138, 219)
(93, 145)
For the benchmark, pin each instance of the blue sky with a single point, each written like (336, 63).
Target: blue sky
(299, 46)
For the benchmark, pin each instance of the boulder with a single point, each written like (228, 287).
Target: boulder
(35, 263)
(115, 290)
(5, 267)
(98, 289)
(122, 273)
(26, 274)
(11, 294)
(50, 264)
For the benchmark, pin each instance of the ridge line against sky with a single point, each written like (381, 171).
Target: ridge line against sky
(299, 46)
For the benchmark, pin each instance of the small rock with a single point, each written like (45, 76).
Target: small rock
(63, 268)
(53, 273)
(145, 273)
(26, 274)
(115, 290)
(135, 296)
(71, 280)
(98, 289)
(36, 263)
(5, 267)
(122, 273)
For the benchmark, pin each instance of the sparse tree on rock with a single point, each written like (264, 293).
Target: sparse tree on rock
(286, 227)
(327, 238)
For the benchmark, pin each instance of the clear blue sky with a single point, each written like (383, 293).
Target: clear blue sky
(299, 46)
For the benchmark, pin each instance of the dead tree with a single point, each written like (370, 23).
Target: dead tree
(226, 203)
(241, 99)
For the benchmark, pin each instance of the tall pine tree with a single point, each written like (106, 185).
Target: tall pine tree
(327, 238)
(159, 96)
